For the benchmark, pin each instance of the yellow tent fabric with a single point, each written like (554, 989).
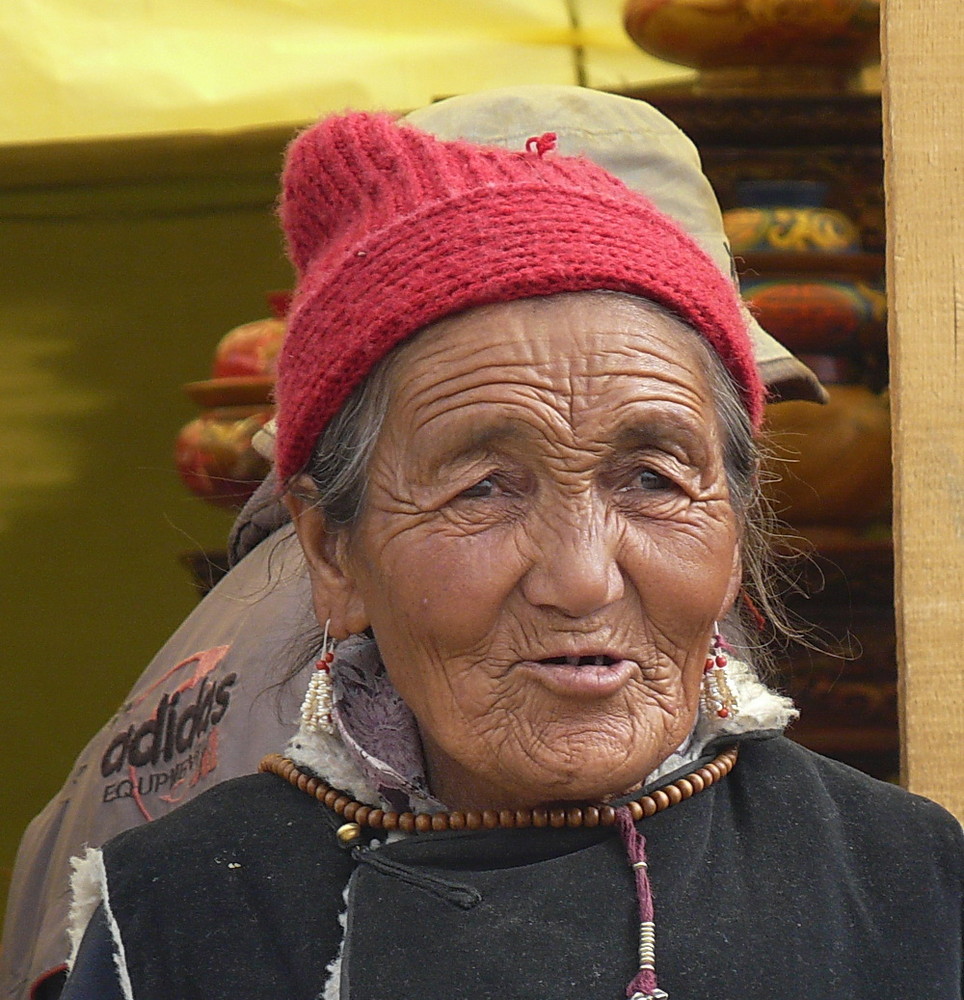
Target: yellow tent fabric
(91, 68)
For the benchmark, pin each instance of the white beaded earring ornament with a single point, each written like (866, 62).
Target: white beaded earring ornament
(316, 708)
(716, 697)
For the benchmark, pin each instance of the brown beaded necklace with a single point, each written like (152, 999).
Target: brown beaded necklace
(358, 814)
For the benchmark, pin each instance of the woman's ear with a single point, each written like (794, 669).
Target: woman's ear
(334, 592)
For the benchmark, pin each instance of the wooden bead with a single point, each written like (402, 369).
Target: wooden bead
(457, 820)
(423, 822)
(607, 815)
(674, 795)
(390, 821)
(540, 817)
(330, 797)
(361, 814)
(635, 810)
(406, 822)
(490, 819)
(557, 818)
(303, 782)
(574, 817)
(686, 787)
(523, 818)
(351, 809)
(339, 804)
(506, 819)
(590, 816)
(660, 798)
(473, 819)
(375, 818)
(696, 781)
(649, 806)
(440, 821)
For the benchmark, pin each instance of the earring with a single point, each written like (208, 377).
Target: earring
(716, 696)
(316, 708)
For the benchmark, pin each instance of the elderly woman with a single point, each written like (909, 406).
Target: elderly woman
(517, 407)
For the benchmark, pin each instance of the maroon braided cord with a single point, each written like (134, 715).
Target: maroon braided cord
(644, 982)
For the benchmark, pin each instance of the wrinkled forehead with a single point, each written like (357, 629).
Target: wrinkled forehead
(600, 332)
(551, 360)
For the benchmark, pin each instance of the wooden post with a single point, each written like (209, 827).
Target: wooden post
(923, 90)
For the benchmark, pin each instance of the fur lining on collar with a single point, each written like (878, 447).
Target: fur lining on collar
(349, 766)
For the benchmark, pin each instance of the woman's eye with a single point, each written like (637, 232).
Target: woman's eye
(481, 490)
(647, 479)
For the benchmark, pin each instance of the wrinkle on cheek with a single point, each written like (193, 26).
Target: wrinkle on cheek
(560, 751)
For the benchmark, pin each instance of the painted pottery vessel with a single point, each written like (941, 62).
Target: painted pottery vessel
(787, 216)
(793, 45)
(806, 280)
(831, 463)
(213, 454)
(803, 273)
(818, 316)
(249, 350)
(790, 229)
(214, 457)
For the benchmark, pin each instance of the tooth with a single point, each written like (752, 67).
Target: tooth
(572, 661)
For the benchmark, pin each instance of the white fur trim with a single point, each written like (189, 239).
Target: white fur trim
(89, 888)
(325, 755)
(757, 708)
(332, 990)
(87, 884)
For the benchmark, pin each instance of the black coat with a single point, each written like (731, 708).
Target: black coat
(795, 878)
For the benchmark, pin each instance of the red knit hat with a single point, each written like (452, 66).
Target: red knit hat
(391, 230)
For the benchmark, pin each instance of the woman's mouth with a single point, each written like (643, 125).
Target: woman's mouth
(587, 676)
(598, 660)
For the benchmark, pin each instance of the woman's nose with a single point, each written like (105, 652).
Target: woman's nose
(574, 568)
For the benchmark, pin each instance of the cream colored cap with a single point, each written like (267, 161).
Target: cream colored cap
(640, 146)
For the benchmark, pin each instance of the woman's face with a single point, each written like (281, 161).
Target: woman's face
(546, 542)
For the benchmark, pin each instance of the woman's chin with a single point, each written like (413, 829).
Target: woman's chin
(576, 756)
(603, 780)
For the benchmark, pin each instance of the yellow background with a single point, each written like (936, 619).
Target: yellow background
(80, 68)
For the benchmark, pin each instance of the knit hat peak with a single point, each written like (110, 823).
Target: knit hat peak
(353, 175)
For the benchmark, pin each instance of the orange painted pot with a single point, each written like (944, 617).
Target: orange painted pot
(835, 36)
(214, 456)
(249, 350)
(831, 464)
(817, 315)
